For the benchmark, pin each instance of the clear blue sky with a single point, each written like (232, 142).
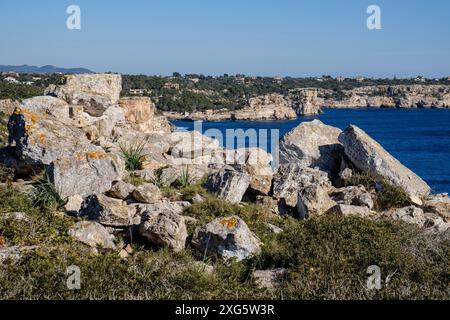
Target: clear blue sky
(255, 37)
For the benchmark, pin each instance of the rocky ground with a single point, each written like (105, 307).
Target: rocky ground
(100, 182)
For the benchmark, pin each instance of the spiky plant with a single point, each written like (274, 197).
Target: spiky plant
(133, 155)
(46, 196)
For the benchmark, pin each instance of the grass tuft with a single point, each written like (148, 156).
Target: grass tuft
(133, 155)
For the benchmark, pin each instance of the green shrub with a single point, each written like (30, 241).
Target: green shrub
(185, 178)
(46, 196)
(133, 155)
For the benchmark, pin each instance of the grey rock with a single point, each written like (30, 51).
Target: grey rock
(85, 173)
(356, 196)
(147, 193)
(350, 210)
(369, 156)
(313, 144)
(73, 205)
(164, 229)
(303, 188)
(121, 190)
(227, 237)
(228, 185)
(95, 92)
(17, 216)
(47, 105)
(40, 140)
(92, 234)
(106, 211)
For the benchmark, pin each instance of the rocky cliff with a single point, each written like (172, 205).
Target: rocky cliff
(310, 101)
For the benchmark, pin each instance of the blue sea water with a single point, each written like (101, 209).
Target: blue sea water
(419, 138)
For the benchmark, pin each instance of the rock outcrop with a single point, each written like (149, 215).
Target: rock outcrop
(227, 237)
(273, 106)
(369, 156)
(229, 185)
(313, 144)
(140, 113)
(303, 188)
(95, 92)
(85, 173)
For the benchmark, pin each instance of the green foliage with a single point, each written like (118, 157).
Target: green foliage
(158, 177)
(328, 258)
(133, 156)
(41, 227)
(387, 197)
(19, 91)
(46, 196)
(185, 178)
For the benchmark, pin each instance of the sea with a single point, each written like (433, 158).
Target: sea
(419, 138)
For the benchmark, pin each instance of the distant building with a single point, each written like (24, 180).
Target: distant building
(37, 78)
(320, 80)
(194, 80)
(240, 79)
(448, 78)
(11, 80)
(140, 92)
(171, 85)
(11, 74)
(360, 79)
(420, 79)
(340, 79)
(28, 83)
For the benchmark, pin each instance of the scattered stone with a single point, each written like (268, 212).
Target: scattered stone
(313, 144)
(355, 196)
(228, 185)
(439, 204)
(350, 210)
(273, 228)
(412, 215)
(73, 205)
(106, 211)
(227, 237)
(268, 279)
(85, 173)
(197, 199)
(92, 234)
(17, 216)
(121, 190)
(276, 206)
(369, 156)
(147, 193)
(14, 253)
(164, 229)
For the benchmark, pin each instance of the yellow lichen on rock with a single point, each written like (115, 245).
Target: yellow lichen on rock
(230, 223)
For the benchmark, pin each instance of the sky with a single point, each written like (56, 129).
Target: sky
(213, 37)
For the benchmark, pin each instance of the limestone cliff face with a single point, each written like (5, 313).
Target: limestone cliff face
(140, 114)
(310, 101)
(273, 106)
(307, 101)
(413, 96)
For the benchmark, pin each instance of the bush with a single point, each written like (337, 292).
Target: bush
(133, 156)
(46, 196)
